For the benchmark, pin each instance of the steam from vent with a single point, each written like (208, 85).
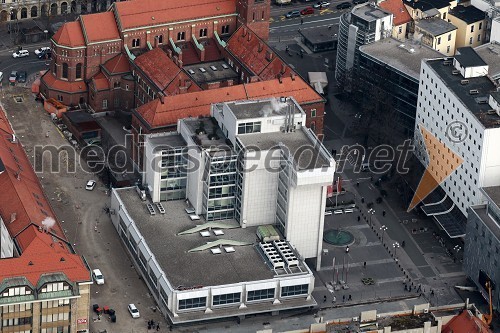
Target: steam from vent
(48, 223)
(274, 105)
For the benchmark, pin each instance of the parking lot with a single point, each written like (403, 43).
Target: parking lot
(83, 218)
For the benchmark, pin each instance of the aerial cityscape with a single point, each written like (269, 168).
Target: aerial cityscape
(249, 166)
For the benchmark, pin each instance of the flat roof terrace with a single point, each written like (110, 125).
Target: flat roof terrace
(183, 253)
(263, 108)
(214, 71)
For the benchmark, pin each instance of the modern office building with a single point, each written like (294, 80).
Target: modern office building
(44, 284)
(251, 171)
(365, 24)
(394, 67)
(482, 244)
(471, 25)
(456, 104)
(437, 34)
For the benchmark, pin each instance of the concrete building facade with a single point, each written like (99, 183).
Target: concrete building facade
(471, 25)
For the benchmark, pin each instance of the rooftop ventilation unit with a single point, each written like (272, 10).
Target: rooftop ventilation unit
(203, 70)
(473, 91)
(481, 100)
(229, 249)
(287, 253)
(447, 63)
(151, 209)
(216, 250)
(225, 66)
(213, 68)
(272, 255)
(412, 50)
(160, 207)
(455, 72)
(191, 71)
(464, 82)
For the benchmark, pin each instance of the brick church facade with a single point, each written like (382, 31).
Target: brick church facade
(166, 60)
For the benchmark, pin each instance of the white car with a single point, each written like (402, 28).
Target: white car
(133, 311)
(321, 4)
(97, 276)
(41, 50)
(20, 54)
(90, 185)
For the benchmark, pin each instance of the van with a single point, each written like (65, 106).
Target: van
(20, 54)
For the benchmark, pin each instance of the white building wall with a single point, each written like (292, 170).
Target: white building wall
(383, 25)
(6, 243)
(490, 164)
(152, 171)
(351, 46)
(495, 30)
(305, 219)
(437, 108)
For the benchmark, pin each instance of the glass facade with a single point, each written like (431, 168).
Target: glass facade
(192, 303)
(282, 196)
(173, 174)
(257, 295)
(301, 289)
(226, 299)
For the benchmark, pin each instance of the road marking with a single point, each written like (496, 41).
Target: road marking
(325, 11)
(271, 20)
(305, 23)
(18, 64)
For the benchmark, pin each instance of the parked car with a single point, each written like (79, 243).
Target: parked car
(97, 276)
(90, 185)
(307, 11)
(22, 77)
(20, 54)
(293, 13)
(42, 50)
(45, 54)
(357, 2)
(344, 5)
(321, 4)
(13, 77)
(133, 311)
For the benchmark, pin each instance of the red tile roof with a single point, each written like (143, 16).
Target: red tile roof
(133, 14)
(466, 322)
(157, 114)
(118, 64)
(70, 34)
(181, 80)
(23, 207)
(63, 85)
(158, 67)
(100, 81)
(398, 9)
(245, 45)
(99, 27)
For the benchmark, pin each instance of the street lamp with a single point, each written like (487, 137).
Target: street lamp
(395, 246)
(371, 211)
(383, 228)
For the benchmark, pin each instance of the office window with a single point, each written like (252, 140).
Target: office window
(65, 70)
(160, 39)
(256, 295)
(301, 289)
(227, 299)
(449, 37)
(78, 71)
(313, 113)
(480, 25)
(225, 29)
(479, 37)
(400, 30)
(253, 127)
(470, 41)
(181, 35)
(472, 28)
(203, 32)
(104, 103)
(448, 49)
(439, 41)
(192, 303)
(136, 42)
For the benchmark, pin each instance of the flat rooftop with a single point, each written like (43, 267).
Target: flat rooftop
(469, 14)
(207, 74)
(392, 52)
(305, 152)
(263, 108)
(435, 26)
(482, 212)
(474, 102)
(369, 12)
(322, 34)
(426, 5)
(490, 53)
(206, 134)
(166, 140)
(201, 268)
(467, 57)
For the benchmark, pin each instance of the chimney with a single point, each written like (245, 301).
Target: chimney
(249, 36)
(279, 78)
(292, 75)
(13, 138)
(254, 79)
(169, 53)
(269, 55)
(230, 83)
(183, 90)
(162, 98)
(261, 47)
(13, 217)
(179, 63)
(245, 32)
(283, 68)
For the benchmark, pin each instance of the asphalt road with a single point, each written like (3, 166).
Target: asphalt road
(30, 64)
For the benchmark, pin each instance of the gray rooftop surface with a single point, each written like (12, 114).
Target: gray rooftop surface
(369, 12)
(462, 92)
(197, 268)
(496, 96)
(206, 139)
(469, 14)
(490, 53)
(467, 57)
(262, 108)
(166, 141)
(482, 212)
(221, 74)
(305, 154)
(321, 34)
(435, 26)
(389, 51)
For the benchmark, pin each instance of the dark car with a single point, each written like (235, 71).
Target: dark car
(22, 77)
(47, 54)
(293, 13)
(307, 11)
(344, 5)
(357, 2)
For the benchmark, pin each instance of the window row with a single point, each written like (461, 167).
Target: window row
(253, 127)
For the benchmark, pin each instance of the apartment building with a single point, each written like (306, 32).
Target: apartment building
(482, 244)
(365, 24)
(251, 171)
(471, 25)
(458, 92)
(437, 34)
(44, 284)
(401, 18)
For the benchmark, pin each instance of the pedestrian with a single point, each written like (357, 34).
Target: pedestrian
(343, 298)
(334, 299)
(347, 249)
(350, 297)
(157, 327)
(432, 292)
(357, 184)
(324, 298)
(383, 213)
(359, 218)
(301, 21)
(364, 264)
